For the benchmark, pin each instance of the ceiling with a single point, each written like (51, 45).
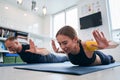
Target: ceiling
(53, 6)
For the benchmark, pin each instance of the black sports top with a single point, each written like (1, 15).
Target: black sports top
(81, 59)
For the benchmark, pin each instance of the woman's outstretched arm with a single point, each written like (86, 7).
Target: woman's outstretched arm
(102, 42)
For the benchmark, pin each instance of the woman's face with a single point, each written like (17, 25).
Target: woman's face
(66, 43)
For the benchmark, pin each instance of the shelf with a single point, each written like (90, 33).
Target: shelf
(2, 39)
(1, 51)
(22, 40)
(7, 32)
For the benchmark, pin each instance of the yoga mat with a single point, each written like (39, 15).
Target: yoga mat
(67, 68)
(16, 64)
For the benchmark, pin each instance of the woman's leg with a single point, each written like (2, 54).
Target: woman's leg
(105, 59)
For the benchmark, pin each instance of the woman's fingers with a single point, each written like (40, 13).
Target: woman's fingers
(96, 36)
(54, 46)
(100, 39)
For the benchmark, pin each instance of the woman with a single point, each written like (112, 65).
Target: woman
(84, 53)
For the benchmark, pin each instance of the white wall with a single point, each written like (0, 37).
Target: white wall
(37, 26)
(14, 18)
(46, 25)
(95, 6)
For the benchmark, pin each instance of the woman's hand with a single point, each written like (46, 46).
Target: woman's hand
(100, 39)
(55, 48)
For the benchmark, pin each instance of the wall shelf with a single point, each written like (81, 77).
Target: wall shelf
(2, 39)
(7, 32)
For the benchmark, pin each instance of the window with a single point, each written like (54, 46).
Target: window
(66, 17)
(72, 18)
(58, 21)
(114, 6)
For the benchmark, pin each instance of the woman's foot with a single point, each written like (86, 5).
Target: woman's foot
(112, 59)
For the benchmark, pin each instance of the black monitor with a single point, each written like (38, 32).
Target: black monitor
(93, 20)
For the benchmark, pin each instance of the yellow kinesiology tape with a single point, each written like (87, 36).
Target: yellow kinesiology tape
(89, 45)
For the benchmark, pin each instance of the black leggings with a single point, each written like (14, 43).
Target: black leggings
(105, 59)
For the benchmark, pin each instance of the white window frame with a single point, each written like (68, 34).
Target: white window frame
(65, 10)
(113, 10)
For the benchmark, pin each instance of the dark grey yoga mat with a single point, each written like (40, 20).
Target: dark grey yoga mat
(12, 64)
(67, 68)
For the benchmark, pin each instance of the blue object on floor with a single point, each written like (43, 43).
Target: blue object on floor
(11, 55)
(16, 64)
(67, 68)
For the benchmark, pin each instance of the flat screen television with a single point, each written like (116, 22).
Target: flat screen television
(93, 20)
